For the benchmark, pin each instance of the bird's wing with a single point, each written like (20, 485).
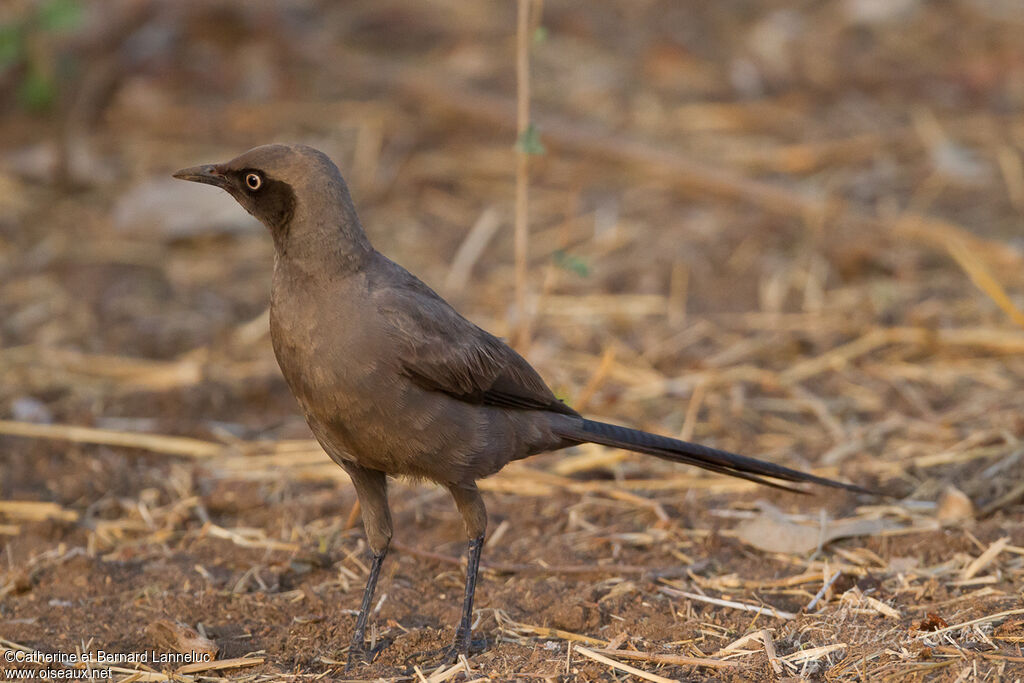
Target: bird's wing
(442, 351)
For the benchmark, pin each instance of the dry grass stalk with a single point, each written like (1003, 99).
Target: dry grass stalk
(612, 305)
(821, 593)
(170, 445)
(545, 632)
(855, 597)
(692, 411)
(985, 559)
(248, 538)
(445, 673)
(137, 373)
(963, 247)
(769, 650)
(640, 673)
(35, 511)
(522, 219)
(1009, 498)
(472, 247)
(593, 457)
(659, 658)
(353, 515)
(221, 665)
(814, 653)
(734, 648)
(598, 377)
(640, 502)
(757, 609)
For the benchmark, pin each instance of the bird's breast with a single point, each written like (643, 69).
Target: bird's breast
(338, 363)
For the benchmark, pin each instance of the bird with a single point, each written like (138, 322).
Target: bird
(394, 382)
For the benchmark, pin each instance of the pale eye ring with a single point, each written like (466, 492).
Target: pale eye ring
(253, 181)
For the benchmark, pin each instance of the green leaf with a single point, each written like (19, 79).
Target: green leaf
(37, 91)
(60, 15)
(574, 264)
(12, 45)
(529, 142)
(540, 34)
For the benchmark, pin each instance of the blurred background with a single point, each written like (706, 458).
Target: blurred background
(788, 229)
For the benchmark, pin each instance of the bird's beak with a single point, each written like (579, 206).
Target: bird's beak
(208, 174)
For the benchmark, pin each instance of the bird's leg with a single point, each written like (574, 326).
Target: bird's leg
(463, 634)
(357, 649)
(371, 488)
(474, 514)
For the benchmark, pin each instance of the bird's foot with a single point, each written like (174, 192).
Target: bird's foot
(449, 655)
(357, 656)
(359, 653)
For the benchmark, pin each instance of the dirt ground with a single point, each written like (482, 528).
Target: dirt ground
(787, 229)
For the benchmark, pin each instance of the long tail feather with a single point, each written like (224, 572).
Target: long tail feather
(704, 457)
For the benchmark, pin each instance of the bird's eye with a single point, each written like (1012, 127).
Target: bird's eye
(253, 181)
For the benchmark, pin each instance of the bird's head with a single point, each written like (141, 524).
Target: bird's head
(284, 185)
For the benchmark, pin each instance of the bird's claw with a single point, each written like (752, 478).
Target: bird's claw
(463, 645)
(359, 654)
(356, 657)
(449, 655)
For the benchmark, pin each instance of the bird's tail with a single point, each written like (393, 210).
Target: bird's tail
(674, 450)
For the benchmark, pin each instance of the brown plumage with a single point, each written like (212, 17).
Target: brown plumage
(391, 379)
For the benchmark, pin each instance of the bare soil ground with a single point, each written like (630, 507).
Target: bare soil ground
(791, 230)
